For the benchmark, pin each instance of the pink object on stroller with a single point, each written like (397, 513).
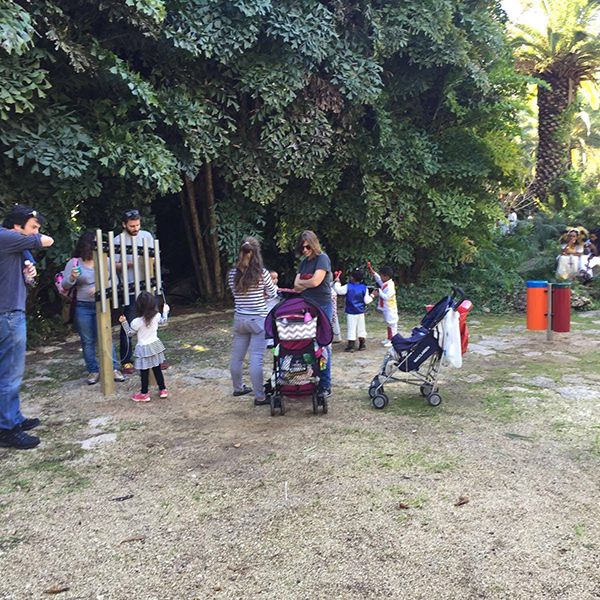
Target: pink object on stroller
(419, 355)
(301, 333)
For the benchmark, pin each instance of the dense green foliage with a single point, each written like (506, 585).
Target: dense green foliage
(390, 128)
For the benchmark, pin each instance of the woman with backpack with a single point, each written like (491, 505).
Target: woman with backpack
(79, 274)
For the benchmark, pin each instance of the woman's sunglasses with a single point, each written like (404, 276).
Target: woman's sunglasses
(305, 247)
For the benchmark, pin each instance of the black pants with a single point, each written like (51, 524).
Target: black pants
(145, 375)
(125, 343)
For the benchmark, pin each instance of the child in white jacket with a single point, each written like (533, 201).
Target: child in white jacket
(387, 300)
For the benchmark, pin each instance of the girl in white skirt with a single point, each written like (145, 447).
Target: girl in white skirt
(149, 351)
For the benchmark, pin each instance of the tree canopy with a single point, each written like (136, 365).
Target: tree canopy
(389, 128)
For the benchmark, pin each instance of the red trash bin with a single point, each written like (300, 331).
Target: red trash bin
(561, 307)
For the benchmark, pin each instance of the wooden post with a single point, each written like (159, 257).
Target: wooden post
(113, 269)
(103, 320)
(124, 274)
(549, 324)
(136, 266)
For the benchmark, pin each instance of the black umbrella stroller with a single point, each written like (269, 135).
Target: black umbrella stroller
(421, 353)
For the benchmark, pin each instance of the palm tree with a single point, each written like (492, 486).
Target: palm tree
(562, 51)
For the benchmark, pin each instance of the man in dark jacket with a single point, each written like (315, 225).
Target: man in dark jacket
(19, 233)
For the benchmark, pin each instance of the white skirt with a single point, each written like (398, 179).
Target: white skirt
(149, 355)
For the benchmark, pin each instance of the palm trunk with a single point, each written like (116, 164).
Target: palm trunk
(552, 161)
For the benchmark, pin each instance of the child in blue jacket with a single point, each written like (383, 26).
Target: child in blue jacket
(357, 298)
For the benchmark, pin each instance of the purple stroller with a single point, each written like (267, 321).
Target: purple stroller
(301, 333)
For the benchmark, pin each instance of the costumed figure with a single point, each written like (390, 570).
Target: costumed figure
(571, 259)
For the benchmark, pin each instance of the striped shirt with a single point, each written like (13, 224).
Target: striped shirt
(254, 301)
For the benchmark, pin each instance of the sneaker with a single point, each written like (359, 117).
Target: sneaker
(127, 369)
(17, 438)
(93, 378)
(28, 424)
(245, 390)
(118, 376)
(261, 401)
(163, 393)
(387, 344)
(139, 397)
(164, 366)
(325, 393)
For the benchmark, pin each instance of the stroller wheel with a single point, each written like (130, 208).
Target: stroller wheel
(434, 399)
(281, 406)
(375, 388)
(426, 389)
(325, 407)
(380, 401)
(272, 402)
(315, 402)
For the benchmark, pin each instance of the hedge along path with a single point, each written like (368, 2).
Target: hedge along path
(493, 494)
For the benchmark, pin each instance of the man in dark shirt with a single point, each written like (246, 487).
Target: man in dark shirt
(19, 232)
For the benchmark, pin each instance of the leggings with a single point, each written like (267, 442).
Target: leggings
(145, 375)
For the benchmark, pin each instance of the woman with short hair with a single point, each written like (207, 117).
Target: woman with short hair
(252, 287)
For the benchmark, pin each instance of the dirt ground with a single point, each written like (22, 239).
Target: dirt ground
(494, 494)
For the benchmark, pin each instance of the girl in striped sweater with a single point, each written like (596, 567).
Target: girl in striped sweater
(252, 287)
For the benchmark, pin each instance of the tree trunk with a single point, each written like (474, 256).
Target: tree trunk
(190, 237)
(212, 232)
(205, 283)
(552, 161)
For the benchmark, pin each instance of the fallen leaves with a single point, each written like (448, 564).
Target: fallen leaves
(57, 589)
(461, 501)
(135, 538)
(122, 498)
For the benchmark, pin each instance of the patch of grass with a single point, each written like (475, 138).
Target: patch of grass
(595, 446)
(579, 530)
(560, 426)
(58, 466)
(270, 457)
(405, 497)
(364, 434)
(501, 406)
(423, 460)
(128, 426)
(411, 403)
(9, 541)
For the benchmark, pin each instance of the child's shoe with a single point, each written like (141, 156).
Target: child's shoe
(163, 393)
(350, 346)
(139, 397)
(387, 344)
(362, 344)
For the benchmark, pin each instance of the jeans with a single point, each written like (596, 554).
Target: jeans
(325, 381)
(13, 336)
(85, 323)
(248, 332)
(125, 345)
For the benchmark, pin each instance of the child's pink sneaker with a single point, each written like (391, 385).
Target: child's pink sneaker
(139, 397)
(163, 393)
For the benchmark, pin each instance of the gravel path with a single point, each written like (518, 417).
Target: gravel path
(494, 494)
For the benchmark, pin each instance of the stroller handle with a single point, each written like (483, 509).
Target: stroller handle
(458, 295)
